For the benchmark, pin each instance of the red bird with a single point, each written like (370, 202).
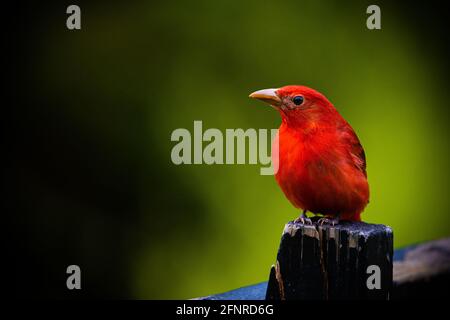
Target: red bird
(321, 163)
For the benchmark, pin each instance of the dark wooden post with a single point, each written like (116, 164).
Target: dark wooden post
(332, 262)
(422, 271)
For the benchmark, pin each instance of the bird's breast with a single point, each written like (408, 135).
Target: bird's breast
(315, 172)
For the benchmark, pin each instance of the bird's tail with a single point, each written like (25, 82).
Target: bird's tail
(357, 217)
(352, 216)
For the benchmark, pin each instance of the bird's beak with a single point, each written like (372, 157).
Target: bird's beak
(267, 95)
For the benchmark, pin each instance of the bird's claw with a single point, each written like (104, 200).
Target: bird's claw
(303, 220)
(329, 221)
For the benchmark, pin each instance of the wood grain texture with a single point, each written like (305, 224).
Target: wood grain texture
(423, 271)
(330, 262)
(430, 259)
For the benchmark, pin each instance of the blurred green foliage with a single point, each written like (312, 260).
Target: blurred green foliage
(102, 190)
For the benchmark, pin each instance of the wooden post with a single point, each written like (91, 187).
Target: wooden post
(332, 262)
(422, 271)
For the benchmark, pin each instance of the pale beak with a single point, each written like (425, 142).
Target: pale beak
(267, 95)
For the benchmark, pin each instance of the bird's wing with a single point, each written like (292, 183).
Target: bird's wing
(356, 150)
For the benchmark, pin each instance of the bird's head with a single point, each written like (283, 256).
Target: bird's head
(298, 105)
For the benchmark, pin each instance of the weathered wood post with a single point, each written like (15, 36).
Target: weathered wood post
(351, 260)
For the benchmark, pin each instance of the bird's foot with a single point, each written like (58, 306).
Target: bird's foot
(303, 220)
(329, 221)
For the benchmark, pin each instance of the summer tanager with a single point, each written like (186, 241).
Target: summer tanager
(321, 163)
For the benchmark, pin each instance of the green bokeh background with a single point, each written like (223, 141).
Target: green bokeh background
(92, 179)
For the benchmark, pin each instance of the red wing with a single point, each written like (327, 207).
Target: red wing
(356, 150)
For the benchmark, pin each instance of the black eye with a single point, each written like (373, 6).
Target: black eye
(298, 100)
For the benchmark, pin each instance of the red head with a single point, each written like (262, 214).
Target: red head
(298, 105)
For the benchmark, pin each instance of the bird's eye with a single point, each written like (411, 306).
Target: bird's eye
(298, 100)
